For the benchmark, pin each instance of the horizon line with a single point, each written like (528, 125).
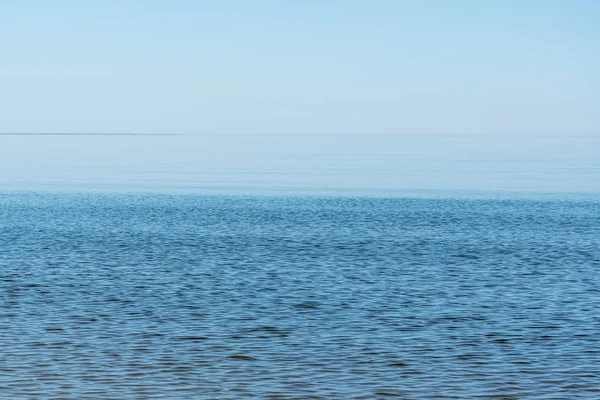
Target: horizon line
(86, 134)
(293, 134)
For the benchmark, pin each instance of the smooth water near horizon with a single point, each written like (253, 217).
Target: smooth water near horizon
(234, 297)
(371, 165)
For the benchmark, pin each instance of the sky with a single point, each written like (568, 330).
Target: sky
(301, 67)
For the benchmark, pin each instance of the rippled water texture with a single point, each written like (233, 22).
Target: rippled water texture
(181, 297)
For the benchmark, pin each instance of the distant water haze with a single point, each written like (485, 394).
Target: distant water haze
(302, 164)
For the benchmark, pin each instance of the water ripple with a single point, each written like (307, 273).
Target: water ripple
(140, 297)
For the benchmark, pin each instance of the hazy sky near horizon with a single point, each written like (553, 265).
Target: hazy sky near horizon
(520, 67)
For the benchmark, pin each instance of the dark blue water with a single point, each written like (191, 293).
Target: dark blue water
(181, 297)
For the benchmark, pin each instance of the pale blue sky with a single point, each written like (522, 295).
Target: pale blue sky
(301, 67)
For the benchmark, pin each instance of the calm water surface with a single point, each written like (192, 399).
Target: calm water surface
(215, 297)
(284, 165)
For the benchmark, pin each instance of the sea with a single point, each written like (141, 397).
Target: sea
(184, 267)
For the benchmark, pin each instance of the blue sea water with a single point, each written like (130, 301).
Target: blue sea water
(142, 296)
